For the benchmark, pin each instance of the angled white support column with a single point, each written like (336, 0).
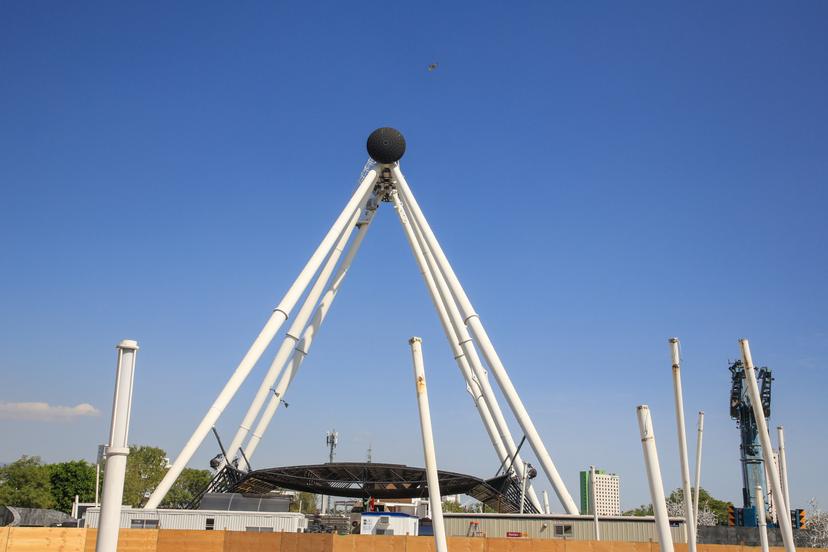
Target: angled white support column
(292, 335)
(648, 444)
(418, 244)
(472, 385)
(434, 497)
(689, 522)
(698, 466)
(784, 519)
(302, 349)
(546, 509)
(478, 331)
(274, 322)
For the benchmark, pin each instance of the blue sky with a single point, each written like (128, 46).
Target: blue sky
(602, 175)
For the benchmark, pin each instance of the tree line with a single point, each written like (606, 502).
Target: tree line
(30, 483)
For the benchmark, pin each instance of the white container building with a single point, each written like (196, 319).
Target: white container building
(218, 520)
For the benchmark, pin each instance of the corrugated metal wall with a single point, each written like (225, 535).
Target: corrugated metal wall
(560, 527)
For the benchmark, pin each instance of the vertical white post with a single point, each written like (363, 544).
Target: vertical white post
(593, 502)
(472, 320)
(523, 489)
(682, 442)
(783, 471)
(784, 520)
(117, 450)
(274, 322)
(760, 518)
(546, 509)
(645, 426)
(428, 446)
(97, 482)
(698, 466)
(75, 507)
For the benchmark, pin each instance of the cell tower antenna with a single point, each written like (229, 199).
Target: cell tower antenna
(331, 439)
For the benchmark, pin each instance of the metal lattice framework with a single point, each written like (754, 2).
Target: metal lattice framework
(320, 281)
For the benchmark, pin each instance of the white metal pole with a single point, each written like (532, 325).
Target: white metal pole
(489, 353)
(524, 479)
(434, 497)
(783, 470)
(698, 466)
(277, 317)
(760, 517)
(302, 349)
(75, 507)
(784, 521)
(682, 442)
(97, 482)
(292, 335)
(648, 444)
(594, 502)
(118, 449)
(460, 336)
(546, 509)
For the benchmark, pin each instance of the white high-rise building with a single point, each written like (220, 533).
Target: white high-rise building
(607, 493)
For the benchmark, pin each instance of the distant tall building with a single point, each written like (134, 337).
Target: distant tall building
(607, 493)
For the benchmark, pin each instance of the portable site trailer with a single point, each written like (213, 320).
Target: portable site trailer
(388, 523)
(218, 520)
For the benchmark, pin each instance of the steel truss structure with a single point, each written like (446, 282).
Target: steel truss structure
(382, 181)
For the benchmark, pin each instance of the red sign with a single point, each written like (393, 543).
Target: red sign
(514, 534)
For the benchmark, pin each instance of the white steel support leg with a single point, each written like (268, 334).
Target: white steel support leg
(117, 450)
(698, 466)
(783, 470)
(546, 509)
(645, 426)
(292, 335)
(478, 331)
(760, 518)
(593, 501)
(682, 443)
(441, 296)
(277, 317)
(434, 497)
(784, 519)
(301, 350)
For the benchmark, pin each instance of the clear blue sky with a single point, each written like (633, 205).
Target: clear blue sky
(603, 176)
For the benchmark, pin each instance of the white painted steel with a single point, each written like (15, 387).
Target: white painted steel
(475, 389)
(523, 490)
(118, 448)
(546, 502)
(434, 497)
(486, 347)
(682, 443)
(648, 444)
(699, 436)
(461, 337)
(274, 322)
(783, 520)
(292, 335)
(594, 503)
(760, 517)
(783, 469)
(302, 349)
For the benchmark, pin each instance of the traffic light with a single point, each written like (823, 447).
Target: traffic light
(731, 516)
(798, 519)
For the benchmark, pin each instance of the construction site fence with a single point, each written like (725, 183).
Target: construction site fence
(36, 539)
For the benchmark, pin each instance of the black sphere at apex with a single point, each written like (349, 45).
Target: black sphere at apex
(386, 145)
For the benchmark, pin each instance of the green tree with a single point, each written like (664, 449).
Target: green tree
(145, 468)
(718, 507)
(68, 479)
(189, 484)
(25, 483)
(643, 510)
(452, 506)
(305, 503)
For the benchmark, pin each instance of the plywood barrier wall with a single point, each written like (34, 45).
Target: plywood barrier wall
(36, 539)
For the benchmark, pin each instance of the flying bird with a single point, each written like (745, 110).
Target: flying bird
(432, 67)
